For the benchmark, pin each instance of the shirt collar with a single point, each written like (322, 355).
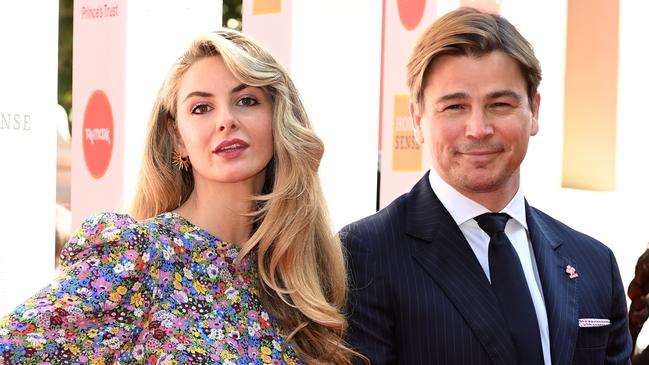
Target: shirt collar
(463, 209)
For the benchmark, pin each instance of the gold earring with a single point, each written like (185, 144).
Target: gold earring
(180, 161)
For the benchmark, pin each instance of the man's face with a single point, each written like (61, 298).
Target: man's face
(476, 122)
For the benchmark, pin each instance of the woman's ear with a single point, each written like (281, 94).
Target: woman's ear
(176, 139)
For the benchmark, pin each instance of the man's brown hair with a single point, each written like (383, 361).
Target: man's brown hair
(469, 32)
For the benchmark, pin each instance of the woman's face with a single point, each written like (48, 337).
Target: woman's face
(224, 126)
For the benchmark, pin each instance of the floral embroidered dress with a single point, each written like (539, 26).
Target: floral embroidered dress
(161, 291)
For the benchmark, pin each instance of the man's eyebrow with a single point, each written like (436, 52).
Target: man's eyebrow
(492, 95)
(505, 93)
(452, 96)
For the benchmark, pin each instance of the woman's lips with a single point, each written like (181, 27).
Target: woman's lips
(231, 148)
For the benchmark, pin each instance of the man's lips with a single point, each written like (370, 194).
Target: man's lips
(479, 149)
(481, 152)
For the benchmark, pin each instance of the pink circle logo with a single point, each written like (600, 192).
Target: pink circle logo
(410, 12)
(488, 6)
(98, 134)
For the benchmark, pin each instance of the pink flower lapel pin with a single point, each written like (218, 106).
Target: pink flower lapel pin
(572, 273)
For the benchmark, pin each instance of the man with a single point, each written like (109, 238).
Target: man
(435, 280)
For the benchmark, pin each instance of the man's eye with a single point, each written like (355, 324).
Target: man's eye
(247, 101)
(454, 107)
(501, 105)
(201, 108)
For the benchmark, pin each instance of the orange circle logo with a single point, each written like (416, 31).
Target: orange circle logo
(410, 12)
(98, 134)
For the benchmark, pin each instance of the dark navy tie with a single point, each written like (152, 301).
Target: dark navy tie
(509, 285)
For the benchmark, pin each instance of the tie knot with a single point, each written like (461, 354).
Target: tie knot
(492, 223)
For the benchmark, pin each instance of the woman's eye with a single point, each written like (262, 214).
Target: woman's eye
(201, 108)
(247, 101)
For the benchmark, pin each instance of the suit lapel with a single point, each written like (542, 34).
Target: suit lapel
(451, 263)
(559, 291)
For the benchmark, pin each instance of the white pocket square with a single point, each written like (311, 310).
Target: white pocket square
(593, 322)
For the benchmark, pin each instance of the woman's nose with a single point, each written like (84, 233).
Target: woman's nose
(226, 120)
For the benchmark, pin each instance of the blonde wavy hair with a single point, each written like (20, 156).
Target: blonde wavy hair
(300, 260)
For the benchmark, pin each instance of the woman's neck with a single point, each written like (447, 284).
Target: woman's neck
(220, 209)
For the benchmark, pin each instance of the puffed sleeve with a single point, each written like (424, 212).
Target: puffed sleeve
(95, 308)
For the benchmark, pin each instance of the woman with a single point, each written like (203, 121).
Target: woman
(227, 257)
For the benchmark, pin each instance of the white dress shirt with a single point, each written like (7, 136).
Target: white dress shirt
(463, 210)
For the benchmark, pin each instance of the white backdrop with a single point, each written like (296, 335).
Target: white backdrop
(336, 68)
(28, 119)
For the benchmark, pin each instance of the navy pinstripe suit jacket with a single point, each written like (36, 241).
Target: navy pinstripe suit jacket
(419, 296)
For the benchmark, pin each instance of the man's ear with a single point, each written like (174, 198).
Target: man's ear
(535, 115)
(415, 119)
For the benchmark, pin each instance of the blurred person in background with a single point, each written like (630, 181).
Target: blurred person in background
(638, 292)
(227, 255)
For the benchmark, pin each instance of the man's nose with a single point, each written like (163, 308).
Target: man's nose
(478, 125)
